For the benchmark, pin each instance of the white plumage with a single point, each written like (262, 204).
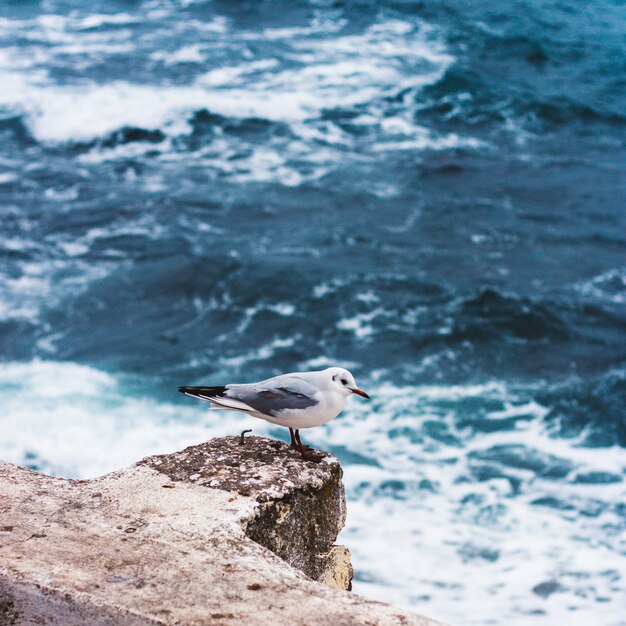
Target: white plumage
(296, 400)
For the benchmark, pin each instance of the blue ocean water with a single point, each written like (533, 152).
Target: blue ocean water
(431, 194)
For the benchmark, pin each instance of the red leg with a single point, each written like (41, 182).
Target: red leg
(301, 446)
(294, 443)
(307, 452)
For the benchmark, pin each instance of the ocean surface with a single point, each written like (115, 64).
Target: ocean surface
(428, 193)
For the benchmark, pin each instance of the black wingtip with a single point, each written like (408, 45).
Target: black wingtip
(203, 391)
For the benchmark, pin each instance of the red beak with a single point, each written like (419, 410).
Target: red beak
(360, 392)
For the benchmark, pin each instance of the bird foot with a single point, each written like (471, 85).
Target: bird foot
(310, 455)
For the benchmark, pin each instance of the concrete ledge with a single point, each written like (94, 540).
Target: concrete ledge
(215, 534)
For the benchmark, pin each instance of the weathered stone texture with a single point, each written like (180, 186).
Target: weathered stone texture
(302, 505)
(187, 538)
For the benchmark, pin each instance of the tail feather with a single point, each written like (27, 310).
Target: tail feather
(217, 397)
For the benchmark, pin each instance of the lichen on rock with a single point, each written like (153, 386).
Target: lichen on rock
(219, 533)
(302, 505)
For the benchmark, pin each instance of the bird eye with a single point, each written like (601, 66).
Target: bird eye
(335, 377)
(344, 381)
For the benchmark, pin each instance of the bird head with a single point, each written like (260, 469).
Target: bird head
(343, 382)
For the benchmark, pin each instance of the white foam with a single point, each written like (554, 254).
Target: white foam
(238, 74)
(343, 71)
(421, 547)
(124, 151)
(73, 420)
(99, 110)
(424, 532)
(243, 162)
(8, 177)
(98, 20)
(360, 324)
(322, 73)
(31, 285)
(187, 54)
(609, 286)
(420, 138)
(61, 194)
(328, 287)
(262, 353)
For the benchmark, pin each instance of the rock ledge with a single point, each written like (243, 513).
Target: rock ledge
(219, 533)
(302, 506)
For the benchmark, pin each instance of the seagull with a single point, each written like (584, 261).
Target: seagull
(297, 400)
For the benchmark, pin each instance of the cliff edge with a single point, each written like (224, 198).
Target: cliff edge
(219, 533)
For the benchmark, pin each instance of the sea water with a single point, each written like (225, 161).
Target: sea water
(430, 194)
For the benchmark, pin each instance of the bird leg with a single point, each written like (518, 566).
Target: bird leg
(299, 443)
(294, 443)
(307, 452)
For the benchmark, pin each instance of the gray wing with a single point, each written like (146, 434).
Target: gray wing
(275, 395)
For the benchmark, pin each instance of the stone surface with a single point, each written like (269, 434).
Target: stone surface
(302, 506)
(216, 534)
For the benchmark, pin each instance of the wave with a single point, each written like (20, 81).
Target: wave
(72, 420)
(589, 411)
(608, 287)
(465, 99)
(447, 471)
(495, 314)
(562, 111)
(471, 484)
(338, 72)
(351, 72)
